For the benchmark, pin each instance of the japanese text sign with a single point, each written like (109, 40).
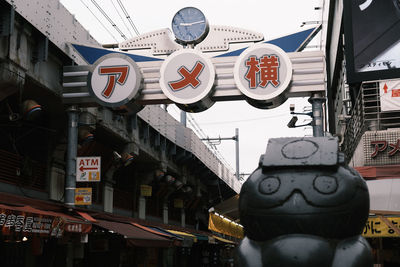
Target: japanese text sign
(376, 227)
(88, 169)
(114, 80)
(389, 92)
(263, 72)
(83, 196)
(187, 76)
(29, 223)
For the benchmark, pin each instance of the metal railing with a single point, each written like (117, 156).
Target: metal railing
(367, 115)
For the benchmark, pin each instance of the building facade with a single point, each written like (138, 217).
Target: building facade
(363, 107)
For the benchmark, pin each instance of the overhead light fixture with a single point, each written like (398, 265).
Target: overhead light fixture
(31, 110)
(169, 179)
(158, 175)
(292, 122)
(85, 136)
(178, 184)
(127, 158)
(187, 189)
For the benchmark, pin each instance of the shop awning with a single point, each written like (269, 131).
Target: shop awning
(224, 240)
(221, 225)
(229, 208)
(379, 172)
(188, 239)
(160, 230)
(134, 235)
(27, 220)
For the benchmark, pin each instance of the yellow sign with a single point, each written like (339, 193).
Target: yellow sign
(178, 203)
(145, 190)
(83, 196)
(376, 227)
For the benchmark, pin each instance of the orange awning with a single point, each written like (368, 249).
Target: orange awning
(379, 172)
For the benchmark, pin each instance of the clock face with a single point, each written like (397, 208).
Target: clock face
(189, 25)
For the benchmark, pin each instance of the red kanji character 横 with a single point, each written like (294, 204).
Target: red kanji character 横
(251, 75)
(269, 65)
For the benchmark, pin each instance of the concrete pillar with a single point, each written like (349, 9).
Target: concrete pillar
(183, 217)
(165, 213)
(142, 208)
(70, 255)
(108, 198)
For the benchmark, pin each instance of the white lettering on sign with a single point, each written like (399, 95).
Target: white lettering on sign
(88, 169)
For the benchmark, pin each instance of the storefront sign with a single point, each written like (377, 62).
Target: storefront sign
(28, 223)
(376, 227)
(383, 146)
(83, 196)
(114, 80)
(263, 72)
(88, 169)
(187, 76)
(178, 203)
(145, 190)
(389, 92)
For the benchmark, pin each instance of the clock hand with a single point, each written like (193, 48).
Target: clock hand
(192, 23)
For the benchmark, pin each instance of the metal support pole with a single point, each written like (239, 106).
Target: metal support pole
(183, 118)
(317, 115)
(237, 152)
(70, 179)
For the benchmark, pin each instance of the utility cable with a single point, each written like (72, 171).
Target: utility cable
(115, 39)
(128, 17)
(109, 19)
(119, 14)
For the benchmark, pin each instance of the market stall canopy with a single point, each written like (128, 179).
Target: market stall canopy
(134, 235)
(229, 208)
(18, 216)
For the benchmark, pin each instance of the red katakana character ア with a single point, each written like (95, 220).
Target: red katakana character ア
(380, 146)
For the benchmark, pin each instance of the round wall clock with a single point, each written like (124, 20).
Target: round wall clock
(190, 26)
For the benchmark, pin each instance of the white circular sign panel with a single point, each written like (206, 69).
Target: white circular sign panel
(114, 80)
(187, 76)
(263, 72)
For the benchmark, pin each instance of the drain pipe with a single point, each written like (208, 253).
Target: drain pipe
(70, 178)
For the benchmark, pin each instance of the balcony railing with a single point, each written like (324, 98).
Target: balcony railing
(367, 116)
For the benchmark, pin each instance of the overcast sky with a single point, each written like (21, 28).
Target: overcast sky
(272, 18)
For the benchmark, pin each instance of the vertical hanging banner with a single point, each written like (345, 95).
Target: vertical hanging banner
(389, 92)
(88, 169)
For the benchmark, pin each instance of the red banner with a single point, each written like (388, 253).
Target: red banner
(27, 221)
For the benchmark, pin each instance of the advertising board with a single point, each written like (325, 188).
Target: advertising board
(372, 39)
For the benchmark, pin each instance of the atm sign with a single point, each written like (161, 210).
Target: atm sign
(88, 169)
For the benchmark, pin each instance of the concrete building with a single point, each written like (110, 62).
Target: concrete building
(155, 172)
(362, 51)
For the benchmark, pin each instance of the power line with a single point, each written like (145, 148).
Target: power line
(115, 39)
(109, 19)
(128, 17)
(119, 14)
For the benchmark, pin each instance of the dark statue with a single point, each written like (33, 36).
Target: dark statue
(303, 206)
